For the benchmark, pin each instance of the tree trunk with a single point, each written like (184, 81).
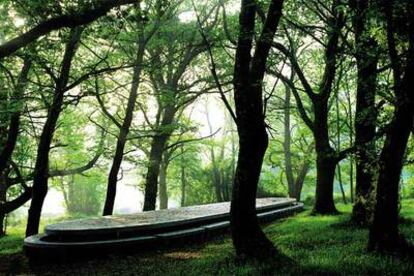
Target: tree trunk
(327, 157)
(2, 224)
(338, 148)
(216, 178)
(351, 178)
(300, 179)
(151, 183)
(294, 185)
(163, 196)
(287, 145)
(365, 113)
(8, 141)
(14, 125)
(157, 150)
(351, 142)
(224, 185)
(3, 198)
(40, 173)
(247, 235)
(325, 171)
(384, 234)
(325, 161)
(341, 185)
(41, 170)
(248, 238)
(183, 179)
(124, 130)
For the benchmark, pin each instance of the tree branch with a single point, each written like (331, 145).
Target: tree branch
(99, 9)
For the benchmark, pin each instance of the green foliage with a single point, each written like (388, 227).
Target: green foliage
(83, 194)
(198, 188)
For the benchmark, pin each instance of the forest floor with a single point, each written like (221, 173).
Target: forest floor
(308, 245)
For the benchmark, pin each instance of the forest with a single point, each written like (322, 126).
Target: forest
(117, 107)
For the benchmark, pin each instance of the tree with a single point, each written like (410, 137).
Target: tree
(71, 20)
(221, 171)
(141, 42)
(366, 113)
(14, 121)
(8, 145)
(248, 238)
(327, 157)
(295, 184)
(177, 51)
(41, 170)
(384, 234)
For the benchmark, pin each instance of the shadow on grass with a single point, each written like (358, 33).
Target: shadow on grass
(406, 221)
(348, 225)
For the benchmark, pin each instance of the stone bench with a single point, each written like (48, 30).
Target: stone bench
(137, 232)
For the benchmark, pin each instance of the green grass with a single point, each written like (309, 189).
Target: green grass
(308, 245)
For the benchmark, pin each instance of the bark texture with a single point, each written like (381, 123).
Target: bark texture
(248, 238)
(384, 234)
(365, 113)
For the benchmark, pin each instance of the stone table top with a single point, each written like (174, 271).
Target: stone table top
(155, 219)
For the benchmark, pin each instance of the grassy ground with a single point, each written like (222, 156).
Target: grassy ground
(309, 245)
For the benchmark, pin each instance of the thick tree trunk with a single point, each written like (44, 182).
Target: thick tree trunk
(325, 171)
(364, 140)
(123, 132)
(247, 235)
(163, 195)
(325, 161)
(41, 170)
(384, 234)
(248, 238)
(365, 113)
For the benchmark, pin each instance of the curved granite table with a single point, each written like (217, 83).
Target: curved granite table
(121, 233)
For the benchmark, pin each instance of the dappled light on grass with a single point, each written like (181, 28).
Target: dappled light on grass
(183, 255)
